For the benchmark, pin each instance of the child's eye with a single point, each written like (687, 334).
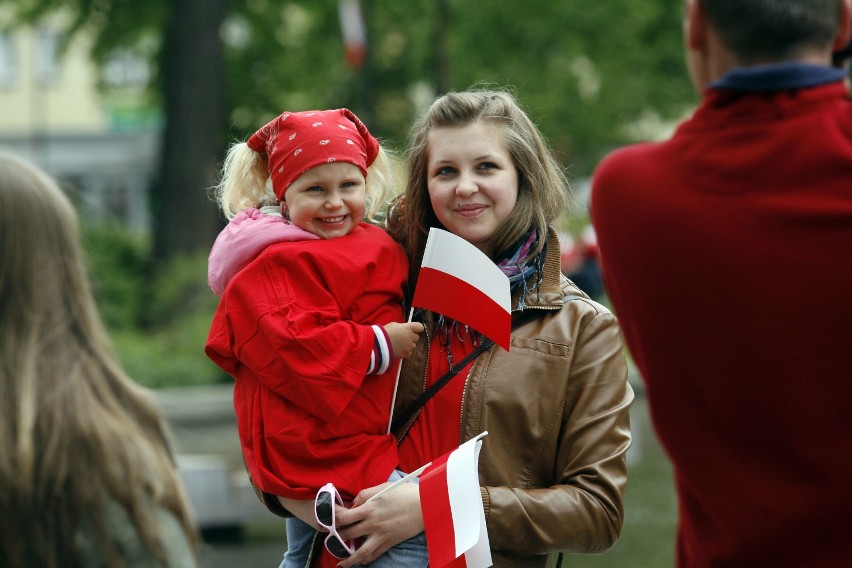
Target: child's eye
(314, 188)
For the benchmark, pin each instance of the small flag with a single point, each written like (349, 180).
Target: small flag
(453, 514)
(354, 32)
(459, 281)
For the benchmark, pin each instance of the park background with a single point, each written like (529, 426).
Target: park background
(131, 105)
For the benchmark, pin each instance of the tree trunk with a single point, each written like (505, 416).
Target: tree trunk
(193, 85)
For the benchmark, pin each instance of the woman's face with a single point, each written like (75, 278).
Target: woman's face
(472, 180)
(328, 200)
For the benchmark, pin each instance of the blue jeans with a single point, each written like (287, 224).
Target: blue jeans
(300, 537)
(409, 553)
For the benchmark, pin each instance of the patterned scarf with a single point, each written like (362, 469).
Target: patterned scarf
(518, 273)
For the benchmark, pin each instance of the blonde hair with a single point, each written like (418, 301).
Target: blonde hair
(543, 188)
(76, 433)
(245, 182)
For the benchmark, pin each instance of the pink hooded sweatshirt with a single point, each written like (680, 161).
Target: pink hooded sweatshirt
(248, 233)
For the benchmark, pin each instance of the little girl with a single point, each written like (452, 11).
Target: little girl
(309, 318)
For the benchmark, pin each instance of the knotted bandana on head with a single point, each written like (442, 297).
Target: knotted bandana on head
(295, 142)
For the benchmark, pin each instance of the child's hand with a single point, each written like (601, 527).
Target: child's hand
(404, 337)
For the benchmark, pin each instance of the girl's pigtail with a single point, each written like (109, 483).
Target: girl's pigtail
(381, 184)
(244, 182)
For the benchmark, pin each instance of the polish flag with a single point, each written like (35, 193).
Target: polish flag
(453, 514)
(354, 32)
(459, 281)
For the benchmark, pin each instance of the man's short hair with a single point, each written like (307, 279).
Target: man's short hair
(773, 30)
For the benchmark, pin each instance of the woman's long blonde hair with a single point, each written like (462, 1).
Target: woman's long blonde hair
(76, 433)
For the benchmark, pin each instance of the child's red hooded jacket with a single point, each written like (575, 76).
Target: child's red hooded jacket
(293, 328)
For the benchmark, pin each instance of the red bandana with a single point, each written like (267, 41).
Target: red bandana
(295, 142)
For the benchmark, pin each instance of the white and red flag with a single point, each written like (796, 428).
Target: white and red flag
(453, 514)
(354, 31)
(459, 281)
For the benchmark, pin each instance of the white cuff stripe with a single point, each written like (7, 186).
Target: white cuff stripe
(381, 351)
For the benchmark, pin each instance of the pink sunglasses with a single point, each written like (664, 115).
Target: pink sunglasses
(327, 496)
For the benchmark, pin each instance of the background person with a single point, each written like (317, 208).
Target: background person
(86, 475)
(553, 468)
(725, 252)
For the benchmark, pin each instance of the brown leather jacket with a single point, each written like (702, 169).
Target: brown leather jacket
(556, 407)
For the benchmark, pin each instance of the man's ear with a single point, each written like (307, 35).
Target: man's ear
(844, 30)
(695, 25)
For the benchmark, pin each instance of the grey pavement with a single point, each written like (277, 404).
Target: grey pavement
(204, 429)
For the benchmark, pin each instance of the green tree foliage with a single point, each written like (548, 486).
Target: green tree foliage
(589, 72)
(586, 71)
(592, 74)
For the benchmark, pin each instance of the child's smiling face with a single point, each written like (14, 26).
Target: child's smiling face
(328, 200)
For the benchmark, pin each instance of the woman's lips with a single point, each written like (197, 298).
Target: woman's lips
(471, 210)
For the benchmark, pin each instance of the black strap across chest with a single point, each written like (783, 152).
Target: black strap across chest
(407, 415)
(418, 403)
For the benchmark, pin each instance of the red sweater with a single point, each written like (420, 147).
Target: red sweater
(293, 328)
(727, 254)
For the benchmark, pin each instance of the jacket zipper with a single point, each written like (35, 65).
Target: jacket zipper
(476, 362)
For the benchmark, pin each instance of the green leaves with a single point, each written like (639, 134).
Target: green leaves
(586, 71)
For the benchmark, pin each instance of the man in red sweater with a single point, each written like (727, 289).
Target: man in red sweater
(727, 255)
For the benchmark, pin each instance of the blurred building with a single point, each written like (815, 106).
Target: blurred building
(91, 129)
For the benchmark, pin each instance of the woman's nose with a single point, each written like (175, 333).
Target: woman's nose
(466, 185)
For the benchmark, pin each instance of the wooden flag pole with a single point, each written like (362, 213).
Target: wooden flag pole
(396, 382)
(398, 482)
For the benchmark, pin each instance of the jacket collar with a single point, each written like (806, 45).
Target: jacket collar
(778, 77)
(548, 294)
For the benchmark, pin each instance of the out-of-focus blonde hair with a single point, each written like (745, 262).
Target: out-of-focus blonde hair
(76, 433)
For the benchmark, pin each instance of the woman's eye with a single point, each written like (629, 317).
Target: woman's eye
(445, 171)
(487, 166)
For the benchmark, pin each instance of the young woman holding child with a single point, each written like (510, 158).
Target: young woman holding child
(553, 467)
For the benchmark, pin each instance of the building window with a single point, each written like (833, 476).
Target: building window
(125, 68)
(8, 61)
(47, 57)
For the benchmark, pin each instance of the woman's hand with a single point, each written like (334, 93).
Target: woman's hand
(383, 522)
(302, 510)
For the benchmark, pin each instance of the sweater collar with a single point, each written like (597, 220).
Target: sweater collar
(777, 77)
